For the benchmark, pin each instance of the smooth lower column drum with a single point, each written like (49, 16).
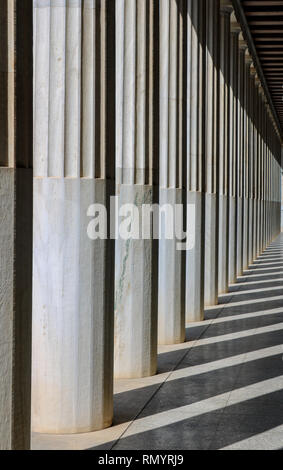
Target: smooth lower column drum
(73, 265)
(137, 155)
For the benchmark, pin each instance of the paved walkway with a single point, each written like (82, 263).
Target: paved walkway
(223, 389)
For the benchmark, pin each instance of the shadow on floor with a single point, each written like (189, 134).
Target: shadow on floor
(226, 389)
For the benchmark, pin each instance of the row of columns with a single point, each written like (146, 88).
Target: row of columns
(151, 102)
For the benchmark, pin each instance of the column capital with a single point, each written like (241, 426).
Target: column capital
(226, 7)
(257, 81)
(261, 90)
(248, 58)
(235, 26)
(243, 45)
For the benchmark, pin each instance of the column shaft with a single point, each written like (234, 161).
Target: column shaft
(212, 148)
(241, 147)
(196, 162)
(171, 292)
(246, 166)
(233, 155)
(73, 269)
(137, 44)
(224, 160)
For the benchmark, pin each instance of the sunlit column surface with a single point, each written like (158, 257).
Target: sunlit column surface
(137, 131)
(211, 149)
(224, 147)
(233, 149)
(171, 290)
(258, 169)
(247, 215)
(73, 281)
(241, 153)
(251, 166)
(195, 161)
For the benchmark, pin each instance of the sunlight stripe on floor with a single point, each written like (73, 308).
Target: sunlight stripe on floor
(215, 403)
(268, 440)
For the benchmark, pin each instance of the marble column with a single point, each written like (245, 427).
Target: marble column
(262, 165)
(171, 289)
(73, 267)
(264, 174)
(251, 166)
(224, 148)
(246, 166)
(241, 153)
(269, 157)
(212, 143)
(137, 103)
(260, 181)
(16, 223)
(258, 169)
(196, 62)
(233, 149)
(255, 176)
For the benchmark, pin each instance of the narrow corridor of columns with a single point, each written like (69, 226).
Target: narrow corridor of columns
(141, 146)
(223, 389)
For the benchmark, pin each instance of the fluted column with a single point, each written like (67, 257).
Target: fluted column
(224, 147)
(265, 176)
(241, 153)
(73, 281)
(195, 161)
(262, 169)
(247, 160)
(136, 166)
(212, 143)
(251, 166)
(268, 180)
(16, 223)
(260, 164)
(233, 149)
(254, 253)
(171, 291)
(258, 169)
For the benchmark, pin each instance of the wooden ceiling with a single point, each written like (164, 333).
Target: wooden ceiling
(265, 20)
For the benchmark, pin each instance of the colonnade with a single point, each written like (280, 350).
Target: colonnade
(154, 102)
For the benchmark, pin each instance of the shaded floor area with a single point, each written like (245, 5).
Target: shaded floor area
(222, 389)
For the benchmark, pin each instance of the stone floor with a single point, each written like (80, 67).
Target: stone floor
(223, 389)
